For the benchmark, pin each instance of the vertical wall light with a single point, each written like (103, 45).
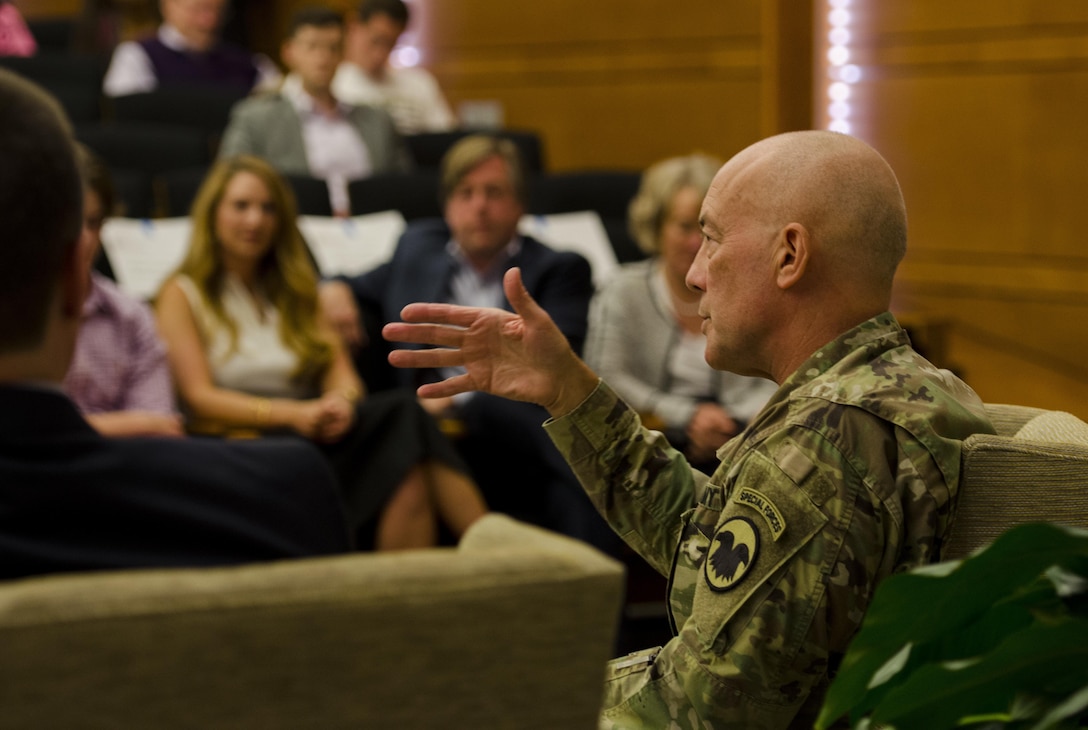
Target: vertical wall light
(841, 73)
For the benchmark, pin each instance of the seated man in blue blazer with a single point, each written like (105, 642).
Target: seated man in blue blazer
(462, 260)
(71, 499)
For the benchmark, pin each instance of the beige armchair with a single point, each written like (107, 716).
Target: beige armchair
(1034, 469)
(511, 629)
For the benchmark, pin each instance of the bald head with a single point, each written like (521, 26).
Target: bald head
(836, 186)
(802, 234)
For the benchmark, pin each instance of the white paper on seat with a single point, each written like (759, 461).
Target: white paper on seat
(350, 246)
(143, 253)
(581, 232)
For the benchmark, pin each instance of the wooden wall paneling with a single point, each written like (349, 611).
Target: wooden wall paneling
(618, 83)
(612, 83)
(979, 107)
(48, 8)
(788, 35)
(893, 19)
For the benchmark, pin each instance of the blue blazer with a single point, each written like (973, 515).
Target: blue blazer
(73, 500)
(421, 270)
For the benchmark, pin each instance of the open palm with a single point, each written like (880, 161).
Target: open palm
(520, 355)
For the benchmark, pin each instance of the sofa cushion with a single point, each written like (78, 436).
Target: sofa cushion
(510, 630)
(1038, 476)
(1055, 427)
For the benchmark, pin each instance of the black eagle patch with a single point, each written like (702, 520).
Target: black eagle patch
(729, 557)
(733, 551)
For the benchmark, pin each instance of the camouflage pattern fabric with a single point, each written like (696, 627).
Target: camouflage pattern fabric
(847, 475)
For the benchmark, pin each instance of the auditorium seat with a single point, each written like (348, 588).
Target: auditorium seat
(312, 195)
(179, 189)
(53, 35)
(50, 67)
(140, 153)
(180, 185)
(207, 110)
(428, 148)
(414, 194)
(607, 192)
(135, 192)
(75, 80)
(148, 147)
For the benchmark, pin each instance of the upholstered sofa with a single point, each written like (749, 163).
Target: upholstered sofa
(1034, 469)
(511, 629)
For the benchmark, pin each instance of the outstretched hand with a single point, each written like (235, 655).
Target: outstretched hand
(521, 355)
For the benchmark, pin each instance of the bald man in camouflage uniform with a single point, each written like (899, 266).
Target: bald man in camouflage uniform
(848, 475)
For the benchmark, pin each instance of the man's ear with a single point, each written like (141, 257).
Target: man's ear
(792, 255)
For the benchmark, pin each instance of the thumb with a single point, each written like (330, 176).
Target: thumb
(519, 298)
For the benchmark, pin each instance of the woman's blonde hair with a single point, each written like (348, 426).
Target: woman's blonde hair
(660, 183)
(285, 275)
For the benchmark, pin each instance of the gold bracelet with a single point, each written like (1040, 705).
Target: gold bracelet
(351, 395)
(262, 410)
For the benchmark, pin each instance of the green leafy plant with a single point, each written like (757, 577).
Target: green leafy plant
(999, 640)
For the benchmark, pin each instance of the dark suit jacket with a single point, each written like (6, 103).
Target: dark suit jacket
(73, 500)
(421, 270)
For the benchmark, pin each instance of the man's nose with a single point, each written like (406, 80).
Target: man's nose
(478, 199)
(696, 278)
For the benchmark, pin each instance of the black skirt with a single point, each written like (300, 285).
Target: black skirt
(392, 433)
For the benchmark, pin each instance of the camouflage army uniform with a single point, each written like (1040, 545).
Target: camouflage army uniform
(846, 476)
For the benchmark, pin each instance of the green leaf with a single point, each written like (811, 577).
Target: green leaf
(956, 614)
(891, 667)
(1044, 660)
(1076, 703)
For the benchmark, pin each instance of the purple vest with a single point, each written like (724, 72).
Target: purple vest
(225, 66)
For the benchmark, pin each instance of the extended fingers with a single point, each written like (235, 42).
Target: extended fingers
(448, 387)
(436, 358)
(424, 334)
(518, 296)
(448, 314)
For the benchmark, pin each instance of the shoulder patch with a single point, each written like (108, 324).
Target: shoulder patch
(733, 551)
(758, 501)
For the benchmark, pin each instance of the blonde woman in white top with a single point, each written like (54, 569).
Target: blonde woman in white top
(251, 352)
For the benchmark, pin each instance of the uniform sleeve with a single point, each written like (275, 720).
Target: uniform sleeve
(775, 570)
(638, 482)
